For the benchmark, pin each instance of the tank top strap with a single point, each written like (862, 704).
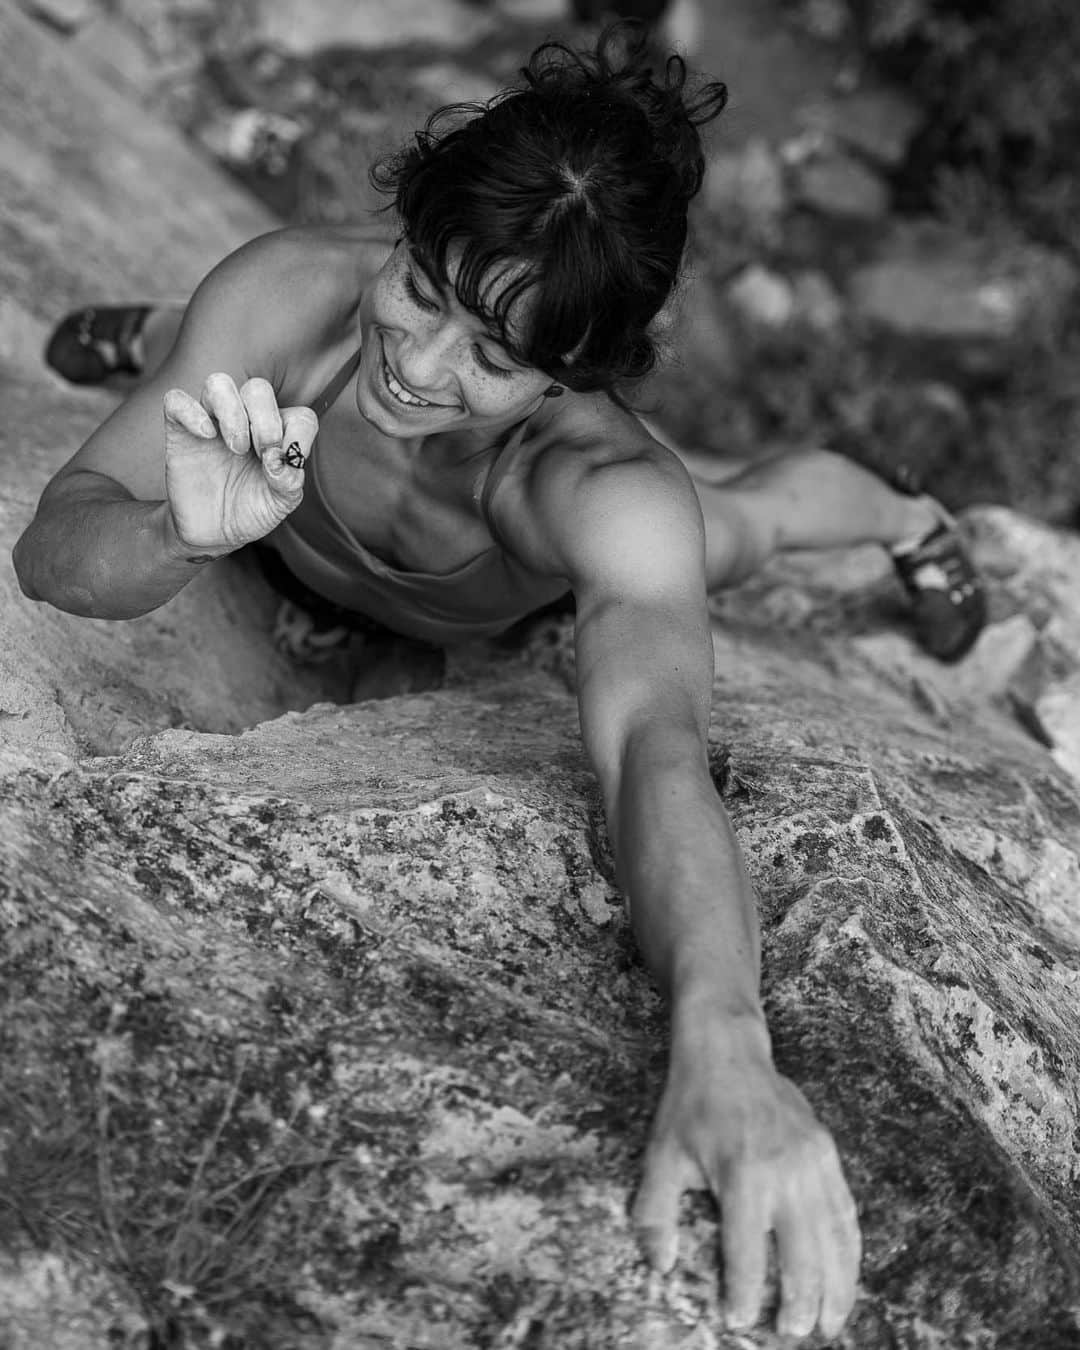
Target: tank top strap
(337, 383)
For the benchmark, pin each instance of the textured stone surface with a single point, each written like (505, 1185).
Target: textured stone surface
(380, 944)
(331, 1033)
(96, 202)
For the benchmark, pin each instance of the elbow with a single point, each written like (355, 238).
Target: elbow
(40, 582)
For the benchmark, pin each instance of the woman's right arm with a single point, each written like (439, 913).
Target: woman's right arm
(94, 550)
(169, 481)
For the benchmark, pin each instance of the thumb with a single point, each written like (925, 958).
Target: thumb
(655, 1213)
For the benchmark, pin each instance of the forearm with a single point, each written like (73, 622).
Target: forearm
(104, 558)
(691, 901)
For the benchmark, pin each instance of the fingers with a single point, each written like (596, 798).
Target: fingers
(263, 417)
(655, 1214)
(745, 1210)
(843, 1250)
(248, 419)
(774, 1169)
(799, 1254)
(819, 1248)
(223, 401)
(284, 461)
(188, 414)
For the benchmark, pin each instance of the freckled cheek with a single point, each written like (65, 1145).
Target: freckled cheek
(497, 397)
(395, 297)
(386, 304)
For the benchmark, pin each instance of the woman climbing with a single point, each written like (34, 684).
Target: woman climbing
(434, 434)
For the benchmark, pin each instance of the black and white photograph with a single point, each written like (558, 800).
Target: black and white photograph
(539, 675)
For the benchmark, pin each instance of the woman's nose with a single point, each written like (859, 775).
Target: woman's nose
(426, 358)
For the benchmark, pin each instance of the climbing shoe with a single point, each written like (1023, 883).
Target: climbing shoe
(948, 600)
(92, 344)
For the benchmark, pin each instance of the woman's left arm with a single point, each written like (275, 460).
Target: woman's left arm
(727, 1120)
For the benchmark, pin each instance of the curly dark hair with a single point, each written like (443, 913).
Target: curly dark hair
(576, 185)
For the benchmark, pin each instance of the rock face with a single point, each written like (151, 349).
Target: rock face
(329, 1032)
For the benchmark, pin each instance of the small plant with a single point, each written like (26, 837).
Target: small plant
(209, 1254)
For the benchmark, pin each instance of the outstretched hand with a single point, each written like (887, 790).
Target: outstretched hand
(234, 462)
(731, 1124)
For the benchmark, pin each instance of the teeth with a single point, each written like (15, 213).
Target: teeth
(401, 393)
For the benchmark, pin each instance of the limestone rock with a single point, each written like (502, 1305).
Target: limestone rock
(1036, 567)
(66, 16)
(98, 225)
(113, 48)
(416, 995)
(1037, 573)
(51, 1300)
(1058, 709)
(987, 673)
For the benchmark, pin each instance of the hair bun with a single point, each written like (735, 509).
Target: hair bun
(621, 72)
(575, 186)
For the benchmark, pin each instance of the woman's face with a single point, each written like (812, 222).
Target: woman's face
(428, 364)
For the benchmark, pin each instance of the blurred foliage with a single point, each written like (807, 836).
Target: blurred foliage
(1001, 84)
(998, 156)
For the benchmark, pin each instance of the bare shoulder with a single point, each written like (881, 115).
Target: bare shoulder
(281, 307)
(298, 258)
(293, 285)
(602, 496)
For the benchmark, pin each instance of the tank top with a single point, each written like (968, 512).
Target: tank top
(481, 598)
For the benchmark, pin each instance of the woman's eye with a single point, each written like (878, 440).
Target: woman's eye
(486, 363)
(417, 295)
